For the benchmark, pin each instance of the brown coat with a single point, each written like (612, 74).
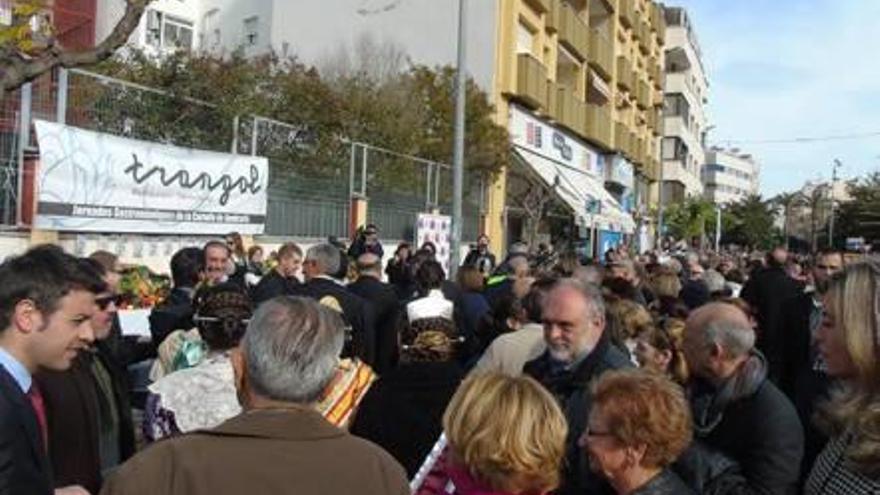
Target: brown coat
(262, 452)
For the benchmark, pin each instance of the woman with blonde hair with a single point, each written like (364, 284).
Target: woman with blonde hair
(658, 348)
(849, 343)
(506, 436)
(639, 424)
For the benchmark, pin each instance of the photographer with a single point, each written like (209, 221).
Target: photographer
(366, 241)
(480, 258)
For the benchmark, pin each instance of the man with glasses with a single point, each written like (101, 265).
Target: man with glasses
(367, 241)
(88, 410)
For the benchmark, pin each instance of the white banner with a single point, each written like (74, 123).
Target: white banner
(94, 182)
(551, 142)
(435, 229)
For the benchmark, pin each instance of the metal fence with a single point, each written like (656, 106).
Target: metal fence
(311, 180)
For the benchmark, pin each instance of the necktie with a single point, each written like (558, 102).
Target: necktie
(36, 398)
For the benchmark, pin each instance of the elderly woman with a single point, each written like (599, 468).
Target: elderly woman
(506, 436)
(849, 344)
(639, 424)
(402, 411)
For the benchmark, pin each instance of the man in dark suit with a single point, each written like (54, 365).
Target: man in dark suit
(765, 292)
(46, 303)
(803, 376)
(321, 261)
(282, 278)
(176, 311)
(386, 308)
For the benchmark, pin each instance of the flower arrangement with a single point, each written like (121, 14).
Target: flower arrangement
(140, 288)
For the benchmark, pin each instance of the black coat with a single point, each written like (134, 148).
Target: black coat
(802, 384)
(72, 398)
(761, 433)
(765, 292)
(403, 411)
(273, 284)
(24, 465)
(665, 483)
(386, 309)
(174, 313)
(356, 312)
(572, 390)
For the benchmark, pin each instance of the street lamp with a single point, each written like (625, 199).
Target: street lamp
(836, 165)
(458, 153)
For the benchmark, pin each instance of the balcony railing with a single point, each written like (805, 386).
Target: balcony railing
(624, 73)
(627, 12)
(598, 124)
(531, 81)
(621, 138)
(569, 111)
(660, 24)
(643, 94)
(552, 21)
(644, 37)
(601, 53)
(573, 31)
(540, 6)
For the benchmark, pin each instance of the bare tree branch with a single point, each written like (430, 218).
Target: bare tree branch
(19, 69)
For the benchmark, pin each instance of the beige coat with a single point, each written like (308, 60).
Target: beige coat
(263, 452)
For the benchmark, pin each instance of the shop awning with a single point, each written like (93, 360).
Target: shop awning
(579, 191)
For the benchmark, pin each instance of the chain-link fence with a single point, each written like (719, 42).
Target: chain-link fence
(312, 178)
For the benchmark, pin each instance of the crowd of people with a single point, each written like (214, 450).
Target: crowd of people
(323, 370)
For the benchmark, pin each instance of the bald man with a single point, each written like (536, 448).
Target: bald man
(737, 410)
(385, 305)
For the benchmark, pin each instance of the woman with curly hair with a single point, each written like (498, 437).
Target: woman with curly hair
(849, 344)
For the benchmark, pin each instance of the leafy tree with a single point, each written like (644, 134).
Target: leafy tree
(25, 54)
(788, 202)
(860, 217)
(752, 223)
(690, 219)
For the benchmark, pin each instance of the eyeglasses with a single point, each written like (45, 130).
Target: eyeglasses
(104, 302)
(590, 432)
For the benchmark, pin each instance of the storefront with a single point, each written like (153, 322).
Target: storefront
(575, 173)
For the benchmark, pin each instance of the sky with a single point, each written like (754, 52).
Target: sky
(785, 69)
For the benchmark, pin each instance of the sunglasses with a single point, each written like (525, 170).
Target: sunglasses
(104, 302)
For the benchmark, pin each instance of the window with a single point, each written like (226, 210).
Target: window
(251, 31)
(168, 32)
(675, 104)
(673, 148)
(524, 38)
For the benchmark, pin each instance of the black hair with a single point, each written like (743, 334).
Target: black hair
(222, 312)
(430, 276)
(186, 265)
(43, 274)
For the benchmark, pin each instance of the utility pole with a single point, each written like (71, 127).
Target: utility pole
(718, 229)
(834, 168)
(458, 154)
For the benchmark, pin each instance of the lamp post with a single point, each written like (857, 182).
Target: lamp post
(458, 153)
(718, 229)
(834, 168)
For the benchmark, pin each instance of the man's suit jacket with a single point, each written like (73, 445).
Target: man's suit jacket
(272, 285)
(356, 312)
(24, 465)
(386, 310)
(263, 452)
(72, 401)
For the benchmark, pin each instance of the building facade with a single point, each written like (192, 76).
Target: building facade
(684, 110)
(589, 73)
(730, 175)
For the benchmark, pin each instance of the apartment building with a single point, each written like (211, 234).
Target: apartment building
(730, 175)
(578, 83)
(684, 110)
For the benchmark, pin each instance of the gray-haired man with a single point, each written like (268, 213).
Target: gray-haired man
(279, 444)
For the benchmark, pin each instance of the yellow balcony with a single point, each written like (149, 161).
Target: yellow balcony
(643, 94)
(531, 81)
(601, 53)
(644, 37)
(552, 19)
(627, 12)
(552, 91)
(573, 31)
(540, 6)
(624, 73)
(656, 74)
(598, 124)
(621, 137)
(569, 110)
(660, 25)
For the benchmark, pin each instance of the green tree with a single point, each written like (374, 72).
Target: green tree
(860, 217)
(690, 219)
(752, 221)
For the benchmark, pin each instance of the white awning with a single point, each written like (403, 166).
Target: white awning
(578, 189)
